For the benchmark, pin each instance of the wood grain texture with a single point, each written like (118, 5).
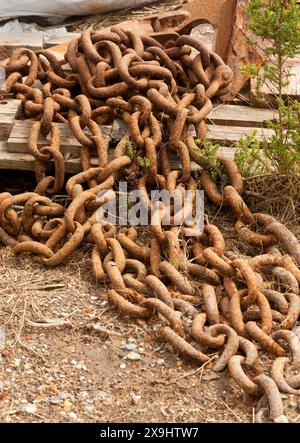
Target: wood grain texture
(224, 135)
(25, 162)
(9, 110)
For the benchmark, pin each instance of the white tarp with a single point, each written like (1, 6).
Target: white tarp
(17, 26)
(58, 9)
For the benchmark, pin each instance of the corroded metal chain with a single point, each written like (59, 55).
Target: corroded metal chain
(207, 296)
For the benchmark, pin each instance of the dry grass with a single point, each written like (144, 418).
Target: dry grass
(277, 195)
(97, 22)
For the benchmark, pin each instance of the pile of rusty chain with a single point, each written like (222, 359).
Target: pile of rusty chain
(208, 297)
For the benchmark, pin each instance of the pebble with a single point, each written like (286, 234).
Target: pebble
(136, 398)
(55, 400)
(292, 404)
(68, 406)
(208, 377)
(30, 408)
(72, 415)
(129, 346)
(281, 419)
(122, 366)
(89, 406)
(109, 401)
(134, 356)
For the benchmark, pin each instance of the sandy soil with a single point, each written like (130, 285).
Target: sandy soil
(80, 371)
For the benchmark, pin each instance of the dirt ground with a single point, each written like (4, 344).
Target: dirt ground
(67, 356)
(80, 371)
(79, 361)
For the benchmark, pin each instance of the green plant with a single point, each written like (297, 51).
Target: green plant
(283, 148)
(144, 162)
(208, 153)
(248, 156)
(277, 23)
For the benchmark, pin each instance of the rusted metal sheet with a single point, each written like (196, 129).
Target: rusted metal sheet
(219, 13)
(240, 52)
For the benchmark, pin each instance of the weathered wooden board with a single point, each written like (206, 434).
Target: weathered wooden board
(17, 141)
(9, 110)
(25, 162)
(12, 40)
(228, 135)
(58, 38)
(224, 135)
(237, 115)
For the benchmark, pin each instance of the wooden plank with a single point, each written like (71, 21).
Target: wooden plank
(58, 38)
(25, 162)
(224, 135)
(9, 110)
(228, 135)
(12, 40)
(17, 141)
(237, 115)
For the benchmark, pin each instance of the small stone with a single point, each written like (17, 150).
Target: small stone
(109, 401)
(160, 361)
(129, 346)
(209, 377)
(67, 406)
(30, 408)
(136, 398)
(122, 366)
(281, 419)
(89, 406)
(17, 362)
(55, 400)
(134, 356)
(72, 415)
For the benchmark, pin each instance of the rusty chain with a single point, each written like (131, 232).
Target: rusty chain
(207, 296)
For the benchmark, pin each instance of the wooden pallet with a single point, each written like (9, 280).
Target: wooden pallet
(226, 125)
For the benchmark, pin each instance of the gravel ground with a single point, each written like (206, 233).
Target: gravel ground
(95, 366)
(68, 357)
